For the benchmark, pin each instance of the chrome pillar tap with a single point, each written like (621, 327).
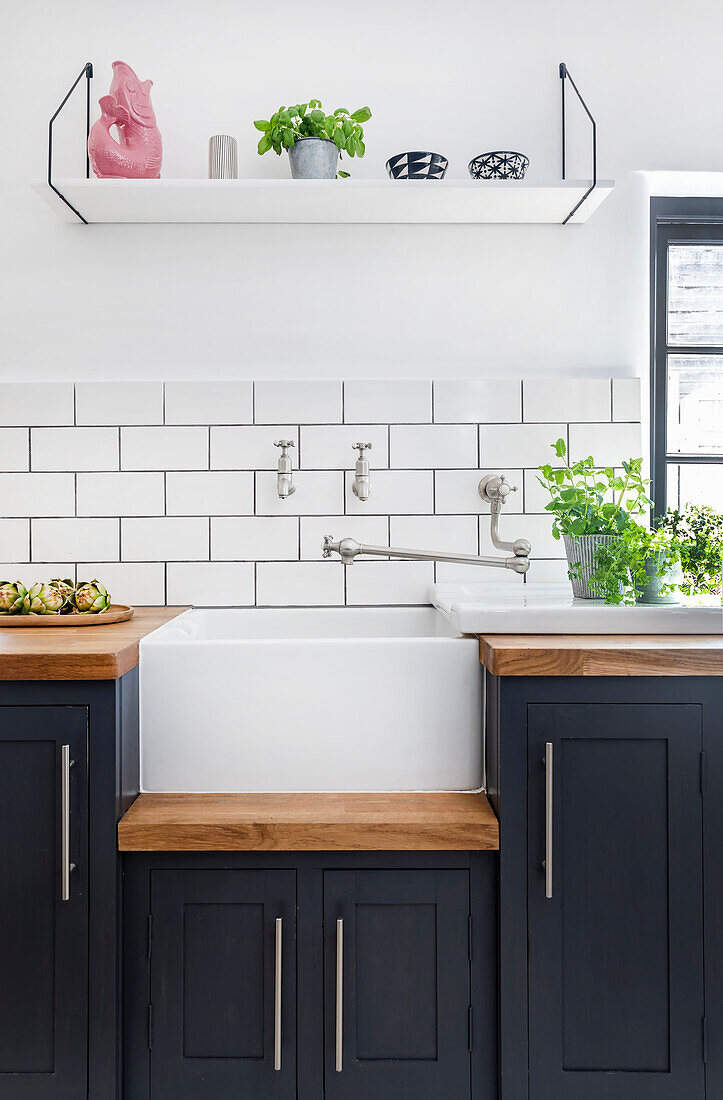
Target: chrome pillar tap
(361, 487)
(284, 470)
(494, 490)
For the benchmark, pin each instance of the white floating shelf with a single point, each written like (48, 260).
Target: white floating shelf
(462, 201)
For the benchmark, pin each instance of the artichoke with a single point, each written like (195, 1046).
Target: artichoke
(43, 598)
(91, 598)
(67, 589)
(12, 594)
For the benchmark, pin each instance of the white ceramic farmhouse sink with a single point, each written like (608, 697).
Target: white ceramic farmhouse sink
(330, 699)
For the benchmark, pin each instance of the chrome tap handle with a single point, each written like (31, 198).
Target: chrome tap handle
(361, 484)
(284, 469)
(329, 547)
(495, 489)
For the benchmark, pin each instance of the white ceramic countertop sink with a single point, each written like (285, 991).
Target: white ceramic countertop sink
(327, 699)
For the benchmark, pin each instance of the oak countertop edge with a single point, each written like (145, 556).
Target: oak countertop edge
(455, 821)
(602, 654)
(102, 652)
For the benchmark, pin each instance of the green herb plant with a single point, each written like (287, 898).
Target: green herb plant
(698, 529)
(621, 566)
(587, 500)
(288, 124)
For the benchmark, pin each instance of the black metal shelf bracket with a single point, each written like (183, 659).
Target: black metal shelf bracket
(564, 77)
(87, 72)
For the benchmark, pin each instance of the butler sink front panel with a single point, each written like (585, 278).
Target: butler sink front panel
(335, 699)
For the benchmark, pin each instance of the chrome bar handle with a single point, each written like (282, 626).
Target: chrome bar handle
(277, 994)
(65, 865)
(339, 1065)
(549, 791)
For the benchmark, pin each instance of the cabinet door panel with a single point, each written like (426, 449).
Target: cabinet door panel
(616, 998)
(405, 994)
(43, 939)
(213, 984)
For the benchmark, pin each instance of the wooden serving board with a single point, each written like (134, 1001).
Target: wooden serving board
(116, 613)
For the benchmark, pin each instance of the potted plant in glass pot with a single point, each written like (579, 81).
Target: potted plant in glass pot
(591, 507)
(313, 139)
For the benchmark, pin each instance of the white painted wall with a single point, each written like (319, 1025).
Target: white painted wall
(459, 76)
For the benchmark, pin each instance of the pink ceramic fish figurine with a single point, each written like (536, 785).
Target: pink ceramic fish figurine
(128, 107)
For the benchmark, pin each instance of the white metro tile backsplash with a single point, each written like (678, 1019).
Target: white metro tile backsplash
(578, 399)
(167, 492)
(15, 539)
(372, 530)
(249, 448)
(73, 539)
(403, 401)
(74, 449)
(299, 402)
(432, 446)
(457, 491)
(330, 447)
(299, 583)
(117, 403)
(489, 401)
(121, 494)
(14, 454)
(209, 493)
(255, 538)
(28, 403)
(209, 403)
(164, 448)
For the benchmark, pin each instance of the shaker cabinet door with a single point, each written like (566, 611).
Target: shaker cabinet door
(43, 903)
(223, 985)
(614, 902)
(397, 985)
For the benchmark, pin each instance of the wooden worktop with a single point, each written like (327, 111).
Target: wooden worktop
(78, 653)
(602, 654)
(308, 822)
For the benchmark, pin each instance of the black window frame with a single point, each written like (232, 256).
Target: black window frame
(673, 221)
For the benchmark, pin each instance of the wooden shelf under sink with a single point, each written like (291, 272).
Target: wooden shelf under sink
(309, 822)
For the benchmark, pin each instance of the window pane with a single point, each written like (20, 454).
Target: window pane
(695, 294)
(695, 484)
(695, 404)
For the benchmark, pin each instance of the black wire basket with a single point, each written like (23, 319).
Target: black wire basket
(499, 165)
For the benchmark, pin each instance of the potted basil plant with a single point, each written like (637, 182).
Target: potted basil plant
(313, 139)
(591, 507)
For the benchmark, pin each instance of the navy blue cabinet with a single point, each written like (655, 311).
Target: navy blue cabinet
(313, 975)
(68, 770)
(601, 805)
(223, 984)
(397, 989)
(44, 909)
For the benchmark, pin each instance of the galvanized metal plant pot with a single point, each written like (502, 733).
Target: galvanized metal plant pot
(313, 158)
(581, 553)
(661, 575)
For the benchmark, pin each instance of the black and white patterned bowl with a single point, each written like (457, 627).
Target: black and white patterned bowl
(499, 165)
(417, 166)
